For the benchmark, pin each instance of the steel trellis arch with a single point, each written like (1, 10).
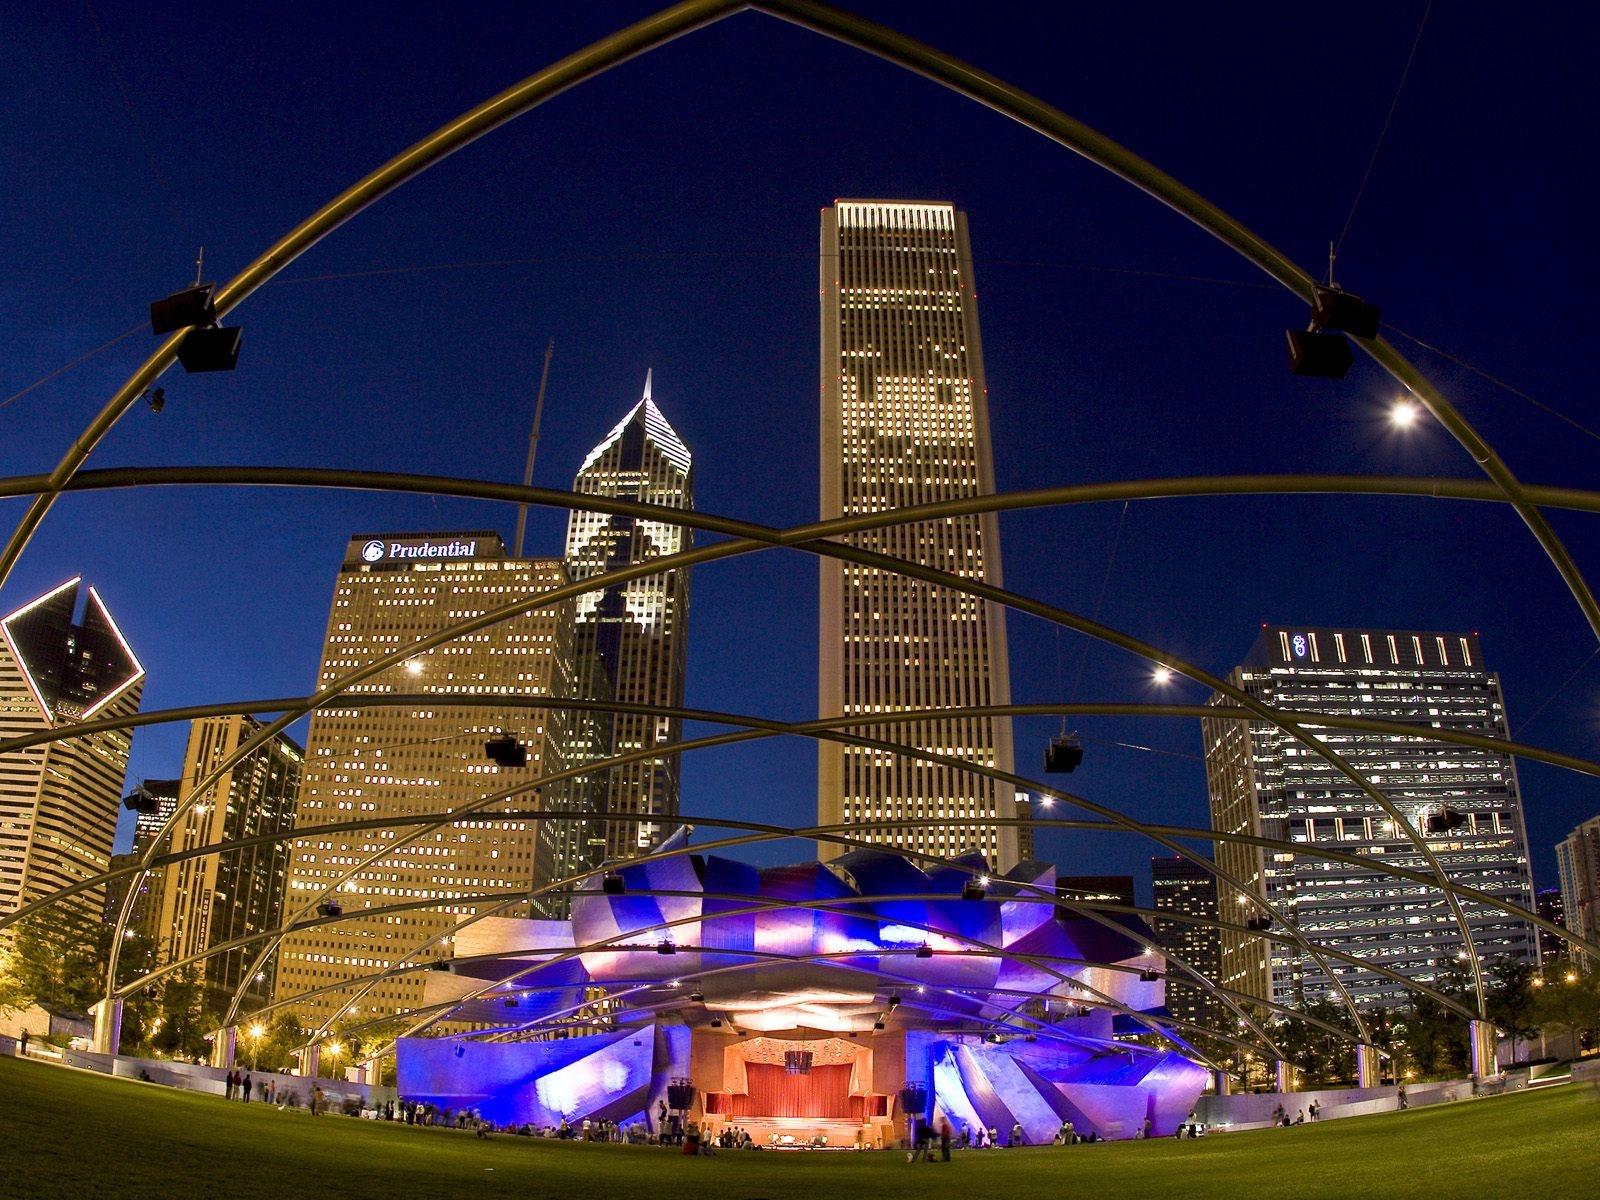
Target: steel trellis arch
(943, 69)
(385, 700)
(759, 535)
(1128, 823)
(1492, 744)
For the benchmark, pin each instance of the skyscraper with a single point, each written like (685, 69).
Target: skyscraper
(62, 663)
(1578, 860)
(1549, 905)
(205, 902)
(905, 421)
(638, 630)
(430, 758)
(153, 801)
(156, 800)
(1187, 889)
(1466, 802)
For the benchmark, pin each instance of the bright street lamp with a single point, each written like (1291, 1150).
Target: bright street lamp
(1162, 674)
(1404, 414)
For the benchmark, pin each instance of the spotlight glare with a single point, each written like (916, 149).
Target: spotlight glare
(1404, 414)
(1162, 675)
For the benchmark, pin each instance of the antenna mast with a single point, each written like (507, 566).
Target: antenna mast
(533, 447)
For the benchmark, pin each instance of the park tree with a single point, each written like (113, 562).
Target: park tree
(1320, 1055)
(1435, 1035)
(285, 1034)
(1511, 998)
(183, 1015)
(1568, 1001)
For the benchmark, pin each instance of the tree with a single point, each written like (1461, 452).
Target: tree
(1320, 1056)
(1435, 1035)
(285, 1034)
(1510, 999)
(183, 1019)
(1569, 1001)
(54, 961)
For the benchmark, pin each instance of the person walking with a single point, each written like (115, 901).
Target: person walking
(1401, 1097)
(316, 1100)
(1016, 1135)
(24, 1043)
(246, 1086)
(944, 1139)
(920, 1141)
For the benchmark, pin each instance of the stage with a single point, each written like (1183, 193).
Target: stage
(789, 1092)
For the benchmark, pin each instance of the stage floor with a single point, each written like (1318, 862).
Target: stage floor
(799, 1133)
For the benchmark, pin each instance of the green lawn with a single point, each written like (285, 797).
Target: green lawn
(66, 1134)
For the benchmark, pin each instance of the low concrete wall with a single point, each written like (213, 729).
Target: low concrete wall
(1586, 1070)
(213, 1081)
(1254, 1110)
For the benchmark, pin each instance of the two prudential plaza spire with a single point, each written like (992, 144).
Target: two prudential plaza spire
(904, 422)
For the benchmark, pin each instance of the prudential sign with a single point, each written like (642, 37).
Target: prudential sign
(389, 550)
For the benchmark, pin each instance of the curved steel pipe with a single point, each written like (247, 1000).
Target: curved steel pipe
(593, 60)
(940, 68)
(1050, 122)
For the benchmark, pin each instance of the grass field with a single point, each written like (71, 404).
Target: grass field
(67, 1135)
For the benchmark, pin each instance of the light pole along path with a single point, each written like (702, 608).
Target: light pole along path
(949, 72)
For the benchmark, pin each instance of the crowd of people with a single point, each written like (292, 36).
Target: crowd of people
(242, 1086)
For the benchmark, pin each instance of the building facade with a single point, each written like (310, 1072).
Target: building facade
(206, 902)
(1264, 783)
(1548, 904)
(1578, 860)
(1096, 889)
(153, 801)
(62, 661)
(1189, 892)
(428, 757)
(637, 630)
(905, 421)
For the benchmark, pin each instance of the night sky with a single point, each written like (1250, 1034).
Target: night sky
(665, 217)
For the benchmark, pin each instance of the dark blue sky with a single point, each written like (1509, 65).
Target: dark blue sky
(665, 216)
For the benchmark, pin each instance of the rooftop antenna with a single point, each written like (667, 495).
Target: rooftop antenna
(533, 447)
(199, 265)
(1333, 253)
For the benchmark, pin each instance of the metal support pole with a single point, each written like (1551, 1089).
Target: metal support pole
(107, 1025)
(225, 1047)
(310, 1060)
(1282, 1076)
(533, 448)
(1483, 1038)
(1367, 1066)
(1222, 1083)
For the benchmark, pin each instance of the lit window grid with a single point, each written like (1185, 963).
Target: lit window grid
(905, 423)
(1262, 782)
(405, 762)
